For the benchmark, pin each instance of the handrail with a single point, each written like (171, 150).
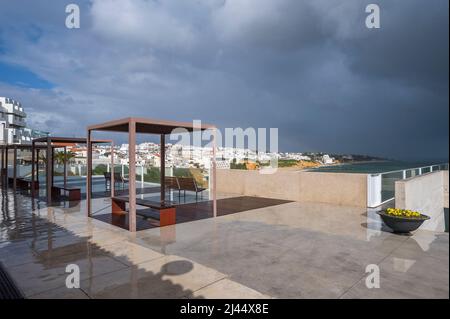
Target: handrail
(375, 185)
(409, 169)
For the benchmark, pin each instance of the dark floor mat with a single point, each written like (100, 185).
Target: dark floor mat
(8, 289)
(196, 211)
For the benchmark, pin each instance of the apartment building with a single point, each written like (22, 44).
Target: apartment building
(13, 128)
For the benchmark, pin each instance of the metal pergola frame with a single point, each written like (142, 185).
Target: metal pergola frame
(132, 126)
(49, 144)
(4, 158)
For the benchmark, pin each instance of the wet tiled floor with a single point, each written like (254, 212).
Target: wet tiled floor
(291, 250)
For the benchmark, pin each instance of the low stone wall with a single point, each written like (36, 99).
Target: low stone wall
(346, 189)
(445, 189)
(331, 188)
(427, 194)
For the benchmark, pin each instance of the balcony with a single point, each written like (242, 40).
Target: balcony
(19, 112)
(16, 140)
(17, 122)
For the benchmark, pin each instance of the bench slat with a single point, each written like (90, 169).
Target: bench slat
(144, 202)
(68, 188)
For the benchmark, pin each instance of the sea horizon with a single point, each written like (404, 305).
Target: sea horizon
(376, 166)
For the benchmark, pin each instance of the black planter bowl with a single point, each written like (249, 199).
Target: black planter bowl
(401, 224)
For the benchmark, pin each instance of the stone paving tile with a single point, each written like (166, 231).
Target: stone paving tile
(165, 277)
(61, 293)
(46, 274)
(227, 289)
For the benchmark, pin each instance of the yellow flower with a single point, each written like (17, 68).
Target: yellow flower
(402, 212)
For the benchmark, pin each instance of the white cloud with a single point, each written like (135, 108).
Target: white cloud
(140, 22)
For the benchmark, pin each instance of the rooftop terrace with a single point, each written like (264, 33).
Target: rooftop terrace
(285, 250)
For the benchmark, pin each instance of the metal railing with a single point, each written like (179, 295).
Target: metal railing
(144, 174)
(381, 186)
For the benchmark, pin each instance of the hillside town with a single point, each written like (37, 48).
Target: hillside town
(187, 156)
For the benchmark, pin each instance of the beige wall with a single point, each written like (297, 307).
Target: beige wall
(446, 189)
(427, 194)
(332, 188)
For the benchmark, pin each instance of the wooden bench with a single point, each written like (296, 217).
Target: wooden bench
(171, 183)
(22, 182)
(189, 184)
(3, 173)
(118, 178)
(26, 183)
(167, 214)
(74, 192)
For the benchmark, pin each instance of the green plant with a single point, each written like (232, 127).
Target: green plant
(100, 169)
(61, 157)
(287, 163)
(235, 165)
(153, 175)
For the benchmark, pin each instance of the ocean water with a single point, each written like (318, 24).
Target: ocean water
(373, 167)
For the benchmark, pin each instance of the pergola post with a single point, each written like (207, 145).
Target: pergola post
(65, 166)
(214, 183)
(37, 166)
(6, 166)
(3, 164)
(163, 169)
(33, 159)
(49, 172)
(89, 173)
(15, 168)
(53, 165)
(111, 181)
(132, 175)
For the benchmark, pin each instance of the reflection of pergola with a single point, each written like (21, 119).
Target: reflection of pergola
(4, 157)
(49, 144)
(148, 126)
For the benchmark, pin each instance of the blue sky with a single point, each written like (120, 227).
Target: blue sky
(19, 76)
(309, 68)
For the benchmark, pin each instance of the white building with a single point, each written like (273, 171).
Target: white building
(13, 128)
(223, 164)
(326, 159)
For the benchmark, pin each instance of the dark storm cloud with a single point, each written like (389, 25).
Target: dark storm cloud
(411, 46)
(310, 68)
